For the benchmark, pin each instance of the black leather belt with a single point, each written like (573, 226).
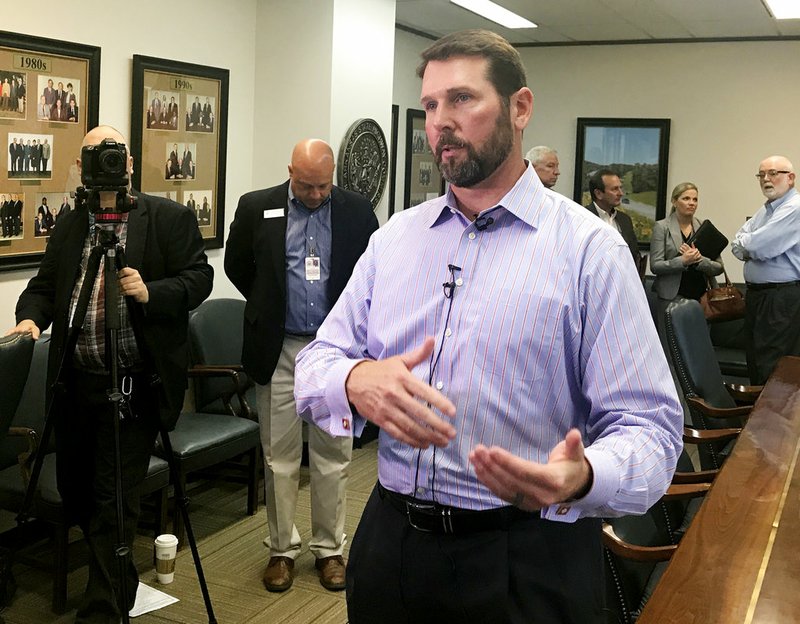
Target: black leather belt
(443, 520)
(772, 285)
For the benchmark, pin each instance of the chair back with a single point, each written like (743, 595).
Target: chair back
(629, 583)
(693, 354)
(697, 368)
(215, 338)
(30, 408)
(16, 351)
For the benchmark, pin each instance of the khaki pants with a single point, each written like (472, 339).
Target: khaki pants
(282, 441)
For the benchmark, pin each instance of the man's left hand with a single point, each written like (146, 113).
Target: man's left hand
(132, 285)
(530, 485)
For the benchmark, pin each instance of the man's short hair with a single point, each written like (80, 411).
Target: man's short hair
(537, 154)
(596, 180)
(505, 70)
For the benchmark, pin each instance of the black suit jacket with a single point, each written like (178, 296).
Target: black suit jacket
(255, 261)
(164, 244)
(626, 229)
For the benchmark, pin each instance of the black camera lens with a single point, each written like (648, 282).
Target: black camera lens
(111, 162)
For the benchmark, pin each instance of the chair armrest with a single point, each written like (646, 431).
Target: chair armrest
(703, 436)
(633, 552)
(718, 412)
(682, 491)
(241, 383)
(744, 394)
(699, 476)
(26, 458)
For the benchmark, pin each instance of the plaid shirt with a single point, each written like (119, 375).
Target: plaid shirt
(90, 351)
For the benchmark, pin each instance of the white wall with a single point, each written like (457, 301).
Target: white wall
(195, 31)
(731, 105)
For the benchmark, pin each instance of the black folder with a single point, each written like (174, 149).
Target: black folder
(709, 240)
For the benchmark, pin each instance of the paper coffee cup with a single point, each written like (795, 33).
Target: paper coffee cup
(166, 547)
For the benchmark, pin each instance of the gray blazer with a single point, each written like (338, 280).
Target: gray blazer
(665, 260)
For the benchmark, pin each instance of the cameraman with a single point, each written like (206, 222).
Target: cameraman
(167, 275)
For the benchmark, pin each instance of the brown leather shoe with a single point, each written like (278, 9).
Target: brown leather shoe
(331, 572)
(278, 575)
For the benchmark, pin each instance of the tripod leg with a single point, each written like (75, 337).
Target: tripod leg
(182, 501)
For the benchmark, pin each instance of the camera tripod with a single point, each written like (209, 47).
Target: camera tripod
(108, 250)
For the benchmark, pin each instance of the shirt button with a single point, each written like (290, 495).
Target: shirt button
(311, 238)
(472, 235)
(312, 304)
(459, 282)
(439, 385)
(420, 490)
(448, 332)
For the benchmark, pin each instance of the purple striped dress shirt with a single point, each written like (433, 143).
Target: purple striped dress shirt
(548, 329)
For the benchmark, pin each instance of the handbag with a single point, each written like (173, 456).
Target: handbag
(723, 303)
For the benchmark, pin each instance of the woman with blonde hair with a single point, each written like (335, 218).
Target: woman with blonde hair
(681, 270)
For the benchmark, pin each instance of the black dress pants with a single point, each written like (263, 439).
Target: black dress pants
(536, 571)
(85, 463)
(772, 327)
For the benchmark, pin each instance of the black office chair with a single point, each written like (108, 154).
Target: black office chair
(215, 338)
(224, 424)
(637, 549)
(712, 403)
(17, 455)
(16, 352)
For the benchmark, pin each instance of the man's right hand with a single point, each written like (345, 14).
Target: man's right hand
(25, 327)
(388, 394)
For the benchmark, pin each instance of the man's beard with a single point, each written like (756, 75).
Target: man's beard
(478, 164)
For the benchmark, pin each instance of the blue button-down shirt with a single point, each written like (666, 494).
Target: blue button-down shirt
(769, 242)
(308, 233)
(547, 328)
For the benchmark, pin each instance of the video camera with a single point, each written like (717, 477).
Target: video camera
(104, 168)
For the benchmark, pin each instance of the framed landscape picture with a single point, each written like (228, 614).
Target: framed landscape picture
(179, 130)
(638, 151)
(48, 101)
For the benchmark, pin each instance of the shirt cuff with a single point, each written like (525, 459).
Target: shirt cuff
(343, 421)
(605, 486)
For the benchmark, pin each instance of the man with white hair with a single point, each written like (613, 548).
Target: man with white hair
(769, 245)
(545, 162)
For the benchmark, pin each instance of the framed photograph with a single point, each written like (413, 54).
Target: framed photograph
(179, 134)
(393, 158)
(48, 101)
(423, 180)
(638, 151)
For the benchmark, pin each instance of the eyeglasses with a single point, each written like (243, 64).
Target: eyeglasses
(772, 173)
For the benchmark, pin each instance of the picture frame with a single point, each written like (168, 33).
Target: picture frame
(179, 146)
(638, 150)
(393, 157)
(423, 181)
(49, 99)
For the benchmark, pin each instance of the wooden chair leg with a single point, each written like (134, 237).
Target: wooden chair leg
(177, 519)
(60, 568)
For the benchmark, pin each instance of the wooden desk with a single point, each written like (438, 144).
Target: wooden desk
(739, 562)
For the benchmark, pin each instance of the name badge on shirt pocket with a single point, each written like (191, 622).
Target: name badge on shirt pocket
(273, 213)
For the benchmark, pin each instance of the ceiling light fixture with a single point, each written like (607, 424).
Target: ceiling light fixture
(783, 9)
(495, 13)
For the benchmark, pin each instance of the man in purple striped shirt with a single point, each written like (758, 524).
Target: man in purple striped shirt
(500, 338)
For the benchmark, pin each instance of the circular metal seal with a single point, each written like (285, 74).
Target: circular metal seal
(364, 160)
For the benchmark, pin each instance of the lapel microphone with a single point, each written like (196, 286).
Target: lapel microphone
(483, 222)
(449, 287)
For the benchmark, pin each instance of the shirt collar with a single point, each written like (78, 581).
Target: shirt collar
(600, 211)
(524, 200)
(777, 203)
